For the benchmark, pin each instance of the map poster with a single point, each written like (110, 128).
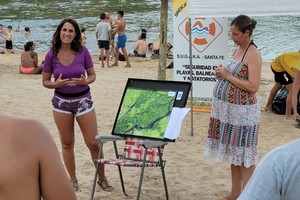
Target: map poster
(144, 113)
(209, 50)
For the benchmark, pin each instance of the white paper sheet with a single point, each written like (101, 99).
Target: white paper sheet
(175, 121)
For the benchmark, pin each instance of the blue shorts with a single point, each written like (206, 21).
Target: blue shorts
(121, 41)
(76, 106)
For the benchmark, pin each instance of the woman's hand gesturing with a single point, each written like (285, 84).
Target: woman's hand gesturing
(61, 82)
(79, 81)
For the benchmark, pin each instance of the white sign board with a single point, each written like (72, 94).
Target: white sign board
(209, 50)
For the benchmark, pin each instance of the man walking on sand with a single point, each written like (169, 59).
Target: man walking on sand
(120, 30)
(103, 36)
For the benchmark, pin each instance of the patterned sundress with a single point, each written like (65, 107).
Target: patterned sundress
(234, 122)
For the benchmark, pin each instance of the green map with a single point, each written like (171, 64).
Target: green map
(145, 112)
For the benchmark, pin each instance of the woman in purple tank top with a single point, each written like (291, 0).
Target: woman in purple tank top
(72, 67)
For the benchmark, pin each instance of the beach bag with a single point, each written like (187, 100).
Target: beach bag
(279, 102)
(121, 57)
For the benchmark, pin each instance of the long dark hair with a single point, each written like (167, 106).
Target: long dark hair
(76, 45)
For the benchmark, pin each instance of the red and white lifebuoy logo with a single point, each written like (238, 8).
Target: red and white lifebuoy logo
(204, 32)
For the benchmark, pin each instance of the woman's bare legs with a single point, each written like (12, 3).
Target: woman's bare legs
(236, 182)
(65, 126)
(240, 176)
(88, 126)
(247, 173)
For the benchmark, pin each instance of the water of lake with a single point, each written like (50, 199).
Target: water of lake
(273, 35)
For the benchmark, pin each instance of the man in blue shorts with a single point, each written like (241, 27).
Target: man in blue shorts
(120, 30)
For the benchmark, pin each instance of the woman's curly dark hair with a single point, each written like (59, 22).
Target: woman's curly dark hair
(56, 41)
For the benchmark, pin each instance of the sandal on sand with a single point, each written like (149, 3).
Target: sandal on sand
(104, 185)
(75, 185)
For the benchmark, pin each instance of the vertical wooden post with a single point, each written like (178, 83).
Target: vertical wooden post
(191, 76)
(163, 40)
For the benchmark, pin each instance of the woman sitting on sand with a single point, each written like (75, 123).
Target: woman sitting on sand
(29, 60)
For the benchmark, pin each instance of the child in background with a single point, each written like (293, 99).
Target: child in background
(83, 36)
(27, 32)
(2, 38)
(17, 29)
(142, 31)
(150, 50)
(113, 25)
(141, 47)
(8, 38)
(1, 30)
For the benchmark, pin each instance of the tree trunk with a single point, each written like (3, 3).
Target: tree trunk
(163, 40)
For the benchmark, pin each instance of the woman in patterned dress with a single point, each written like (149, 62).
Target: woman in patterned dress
(234, 121)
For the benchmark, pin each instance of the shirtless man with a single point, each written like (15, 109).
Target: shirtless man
(120, 30)
(30, 166)
(141, 47)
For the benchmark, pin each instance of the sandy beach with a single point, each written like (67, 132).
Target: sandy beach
(190, 175)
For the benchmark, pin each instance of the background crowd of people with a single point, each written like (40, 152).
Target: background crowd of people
(110, 37)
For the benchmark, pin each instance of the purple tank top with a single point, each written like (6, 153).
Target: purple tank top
(81, 62)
